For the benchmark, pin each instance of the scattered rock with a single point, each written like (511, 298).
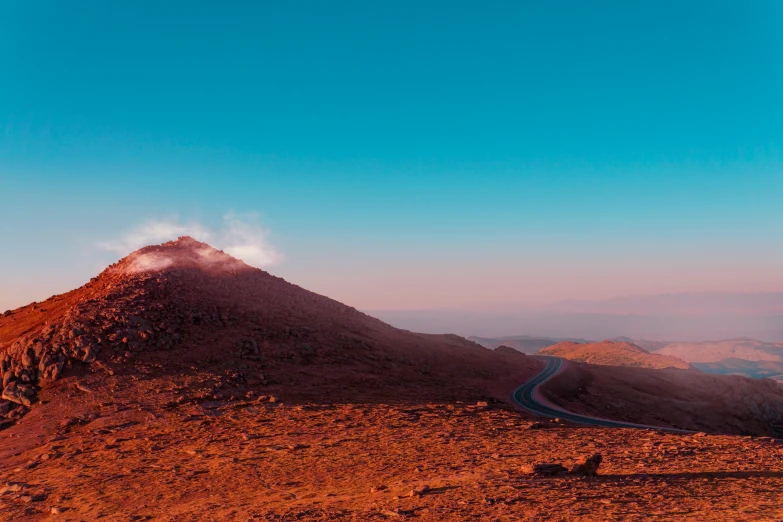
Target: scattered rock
(18, 393)
(11, 488)
(588, 468)
(82, 387)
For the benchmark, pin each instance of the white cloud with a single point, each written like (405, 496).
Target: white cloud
(240, 236)
(249, 242)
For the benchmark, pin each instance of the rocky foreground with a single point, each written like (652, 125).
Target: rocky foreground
(149, 455)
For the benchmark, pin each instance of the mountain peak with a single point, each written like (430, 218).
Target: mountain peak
(184, 252)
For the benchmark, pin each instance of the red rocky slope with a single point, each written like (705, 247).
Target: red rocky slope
(184, 306)
(613, 353)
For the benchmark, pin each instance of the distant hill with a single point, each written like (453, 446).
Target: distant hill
(613, 353)
(650, 346)
(523, 343)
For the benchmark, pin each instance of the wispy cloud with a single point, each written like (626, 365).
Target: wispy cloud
(241, 236)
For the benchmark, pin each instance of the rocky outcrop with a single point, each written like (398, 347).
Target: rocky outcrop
(128, 321)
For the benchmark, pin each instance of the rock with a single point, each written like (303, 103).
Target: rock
(5, 407)
(56, 511)
(84, 388)
(89, 354)
(421, 490)
(589, 468)
(273, 399)
(18, 393)
(27, 360)
(7, 378)
(482, 404)
(52, 371)
(545, 470)
(11, 488)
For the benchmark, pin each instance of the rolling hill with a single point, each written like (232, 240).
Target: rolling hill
(612, 353)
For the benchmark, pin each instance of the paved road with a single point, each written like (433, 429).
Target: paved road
(525, 397)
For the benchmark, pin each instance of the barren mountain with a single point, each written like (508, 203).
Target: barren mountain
(183, 307)
(611, 353)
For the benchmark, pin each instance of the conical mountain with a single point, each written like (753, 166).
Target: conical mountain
(184, 308)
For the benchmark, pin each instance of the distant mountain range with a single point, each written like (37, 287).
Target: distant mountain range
(523, 343)
(748, 357)
(685, 317)
(614, 353)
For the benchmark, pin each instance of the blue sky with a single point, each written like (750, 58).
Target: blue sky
(401, 155)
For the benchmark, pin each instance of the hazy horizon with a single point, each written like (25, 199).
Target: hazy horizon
(663, 317)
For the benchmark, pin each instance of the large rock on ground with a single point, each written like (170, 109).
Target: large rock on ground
(588, 468)
(18, 393)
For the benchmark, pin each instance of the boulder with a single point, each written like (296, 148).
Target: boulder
(18, 393)
(52, 371)
(27, 359)
(588, 468)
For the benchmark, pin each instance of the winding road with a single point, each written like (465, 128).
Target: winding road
(529, 397)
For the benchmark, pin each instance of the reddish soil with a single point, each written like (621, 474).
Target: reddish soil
(181, 384)
(613, 353)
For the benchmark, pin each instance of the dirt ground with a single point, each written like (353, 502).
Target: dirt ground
(141, 457)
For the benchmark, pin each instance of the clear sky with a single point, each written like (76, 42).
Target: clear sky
(399, 155)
